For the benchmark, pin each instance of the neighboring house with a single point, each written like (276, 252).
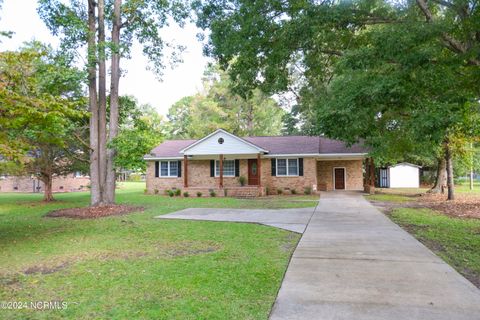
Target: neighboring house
(401, 175)
(269, 164)
(72, 182)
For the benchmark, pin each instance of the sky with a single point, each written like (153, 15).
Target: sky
(20, 16)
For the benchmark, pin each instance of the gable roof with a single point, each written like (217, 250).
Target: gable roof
(223, 132)
(275, 145)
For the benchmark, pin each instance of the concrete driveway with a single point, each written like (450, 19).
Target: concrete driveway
(352, 262)
(289, 219)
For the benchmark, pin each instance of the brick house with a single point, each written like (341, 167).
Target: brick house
(69, 183)
(268, 164)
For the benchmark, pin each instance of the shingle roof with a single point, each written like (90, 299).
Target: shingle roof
(275, 145)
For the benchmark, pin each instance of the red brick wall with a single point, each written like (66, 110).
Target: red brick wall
(353, 171)
(60, 184)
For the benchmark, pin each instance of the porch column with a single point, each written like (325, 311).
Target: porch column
(221, 171)
(185, 173)
(259, 170)
(372, 173)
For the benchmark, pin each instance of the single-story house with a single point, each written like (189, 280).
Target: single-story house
(268, 164)
(72, 182)
(401, 175)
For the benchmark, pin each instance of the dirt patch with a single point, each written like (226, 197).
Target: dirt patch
(42, 269)
(464, 205)
(94, 212)
(387, 207)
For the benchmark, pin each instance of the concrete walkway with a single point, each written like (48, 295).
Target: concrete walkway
(289, 219)
(354, 263)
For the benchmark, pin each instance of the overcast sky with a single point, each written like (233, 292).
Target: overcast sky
(20, 16)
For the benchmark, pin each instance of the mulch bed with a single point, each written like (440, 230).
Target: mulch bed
(94, 212)
(464, 205)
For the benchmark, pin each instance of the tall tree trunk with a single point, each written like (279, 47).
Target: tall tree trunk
(95, 195)
(102, 101)
(114, 104)
(450, 182)
(47, 181)
(441, 178)
(471, 166)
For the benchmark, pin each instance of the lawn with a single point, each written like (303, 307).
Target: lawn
(457, 241)
(134, 266)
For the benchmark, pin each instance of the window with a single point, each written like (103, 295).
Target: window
(287, 167)
(228, 168)
(169, 169)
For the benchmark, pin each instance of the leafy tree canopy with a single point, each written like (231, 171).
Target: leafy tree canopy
(218, 107)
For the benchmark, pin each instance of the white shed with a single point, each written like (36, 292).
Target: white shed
(402, 175)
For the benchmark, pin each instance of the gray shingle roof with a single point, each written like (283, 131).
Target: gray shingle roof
(275, 145)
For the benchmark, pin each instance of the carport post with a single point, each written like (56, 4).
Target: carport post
(185, 171)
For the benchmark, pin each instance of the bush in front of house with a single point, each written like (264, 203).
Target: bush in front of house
(178, 192)
(308, 190)
(186, 194)
(293, 191)
(279, 191)
(242, 180)
(213, 194)
(171, 193)
(167, 192)
(199, 194)
(155, 191)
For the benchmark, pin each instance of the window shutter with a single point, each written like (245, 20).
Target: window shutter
(179, 168)
(212, 168)
(274, 167)
(237, 168)
(300, 166)
(157, 169)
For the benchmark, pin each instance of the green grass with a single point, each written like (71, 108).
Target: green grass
(134, 266)
(389, 198)
(456, 240)
(464, 187)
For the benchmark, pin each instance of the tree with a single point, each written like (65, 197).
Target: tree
(41, 114)
(84, 25)
(141, 129)
(218, 107)
(400, 77)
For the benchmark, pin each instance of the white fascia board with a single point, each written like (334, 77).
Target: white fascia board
(227, 133)
(162, 158)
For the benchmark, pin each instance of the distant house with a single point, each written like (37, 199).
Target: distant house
(268, 164)
(401, 175)
(72, 182)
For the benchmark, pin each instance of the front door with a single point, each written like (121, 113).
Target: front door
(339, 178)
(253, 172)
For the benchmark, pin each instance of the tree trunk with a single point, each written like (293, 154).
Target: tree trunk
(114, 84)
(450, 183)
(95, 196)
(441, 178)
(48, 194)
(471, 166)
(102, 102)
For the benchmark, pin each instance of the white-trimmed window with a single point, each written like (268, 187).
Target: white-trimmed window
(228, 168)
(168, 168)
(287, 167)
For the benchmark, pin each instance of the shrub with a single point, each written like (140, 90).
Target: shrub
(308, 190)
(242, 180)
(186, 195)
(267, 190)
(171, 193)
(279, 191)
(178, 192)
(293, 191)
(155, 191)
(199, 194)
(167, 192)
(213, 194)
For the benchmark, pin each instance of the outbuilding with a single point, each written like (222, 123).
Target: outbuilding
(401, 175)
